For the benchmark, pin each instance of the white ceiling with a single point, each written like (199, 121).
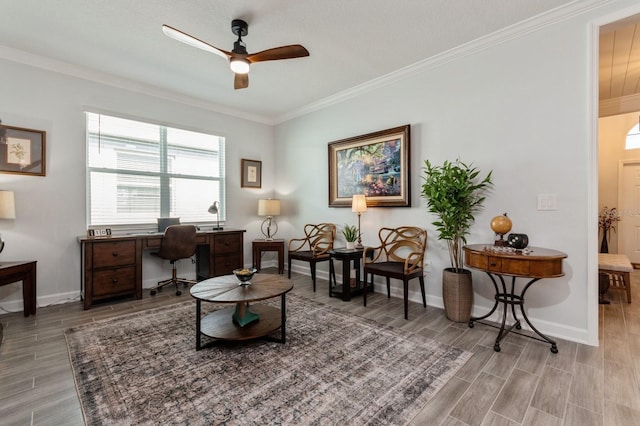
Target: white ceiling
(620, 59)
(351, 42)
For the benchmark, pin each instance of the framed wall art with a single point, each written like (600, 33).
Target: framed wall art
(22, 151)
(375, 164)
(251, 174)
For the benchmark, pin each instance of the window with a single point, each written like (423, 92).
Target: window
(139, 171)
(633, 137)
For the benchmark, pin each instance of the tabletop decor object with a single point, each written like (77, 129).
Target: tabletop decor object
(359, 206)
(7, 210)
(351, 235)
(215, 209)
(455, 193)
(501, 225)
(607, 220)
(518, 241)
(269, 208)
(244, 275)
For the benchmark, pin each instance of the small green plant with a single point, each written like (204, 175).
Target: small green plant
(350, 233)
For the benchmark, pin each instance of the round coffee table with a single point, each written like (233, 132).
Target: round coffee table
(241, 321)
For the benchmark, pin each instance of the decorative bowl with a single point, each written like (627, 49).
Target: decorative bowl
(244, 275)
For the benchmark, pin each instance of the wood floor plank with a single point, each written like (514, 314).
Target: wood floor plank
(513, 400)
(477, 400)
(579, 416)
(587, 388)
(552, 391)
(620, 415)
(621, 385)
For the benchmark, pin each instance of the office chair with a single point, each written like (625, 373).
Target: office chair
(178, 242)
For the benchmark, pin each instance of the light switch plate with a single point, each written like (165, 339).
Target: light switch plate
(547, 202)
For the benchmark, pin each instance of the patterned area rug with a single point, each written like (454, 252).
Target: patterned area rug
(335, 369)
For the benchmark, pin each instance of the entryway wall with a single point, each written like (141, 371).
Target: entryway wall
(612, 134)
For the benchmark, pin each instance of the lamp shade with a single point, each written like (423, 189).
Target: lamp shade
(359, 203)
(269, 207)
(214, 208)
(7, 205)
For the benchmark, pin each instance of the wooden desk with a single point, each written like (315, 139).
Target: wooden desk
(534, 264)
(262, 245)
(11, 272)
(112, 266)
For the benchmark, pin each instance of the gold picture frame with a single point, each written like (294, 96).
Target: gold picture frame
(375, 164)
(22, 151)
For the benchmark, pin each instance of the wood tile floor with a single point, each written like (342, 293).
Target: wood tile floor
(524, 384)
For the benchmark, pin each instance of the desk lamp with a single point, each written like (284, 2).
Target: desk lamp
(359, 205)
(269, 208)
(7, 209)
(215, 209)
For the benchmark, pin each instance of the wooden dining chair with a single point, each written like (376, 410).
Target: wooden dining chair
(313, 248)
(400, 255)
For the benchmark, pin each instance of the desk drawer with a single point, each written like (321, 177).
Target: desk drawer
(106, 254)
(112, 282)
(224, 244)
(224, 265)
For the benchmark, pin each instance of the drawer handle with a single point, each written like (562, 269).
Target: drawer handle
(493, 263)
(114, 281)
(115, 254)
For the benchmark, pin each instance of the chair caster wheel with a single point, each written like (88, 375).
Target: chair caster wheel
(178, 293)
(153, 292)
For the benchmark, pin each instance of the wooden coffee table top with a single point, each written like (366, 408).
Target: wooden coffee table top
(226, 289)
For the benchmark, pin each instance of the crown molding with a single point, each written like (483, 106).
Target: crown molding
(511, 32)
(95, 76)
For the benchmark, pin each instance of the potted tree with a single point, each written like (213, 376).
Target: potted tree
(351, 235)
(455, 193)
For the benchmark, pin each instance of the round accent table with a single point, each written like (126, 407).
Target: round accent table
(241, 321)
(533, 264)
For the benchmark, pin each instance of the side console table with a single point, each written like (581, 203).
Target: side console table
(11, 272)
(533, 263)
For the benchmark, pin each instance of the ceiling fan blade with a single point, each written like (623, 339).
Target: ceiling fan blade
(241, 81)
(192, 41)
(283, 52)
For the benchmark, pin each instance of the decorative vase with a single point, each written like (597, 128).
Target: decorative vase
(351, 245)
(604, 247)
(518, 241)
(457, 294)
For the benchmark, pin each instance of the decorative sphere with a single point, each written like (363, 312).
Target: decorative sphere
(501, 224)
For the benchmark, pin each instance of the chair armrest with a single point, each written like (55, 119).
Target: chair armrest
(296, 244)
(371, 258)
(413, 262)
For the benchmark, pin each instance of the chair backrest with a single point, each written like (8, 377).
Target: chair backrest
(178, 242)
(404, 244)
(320, 237)
(317, 239)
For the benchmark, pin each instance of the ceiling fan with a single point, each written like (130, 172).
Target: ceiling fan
(239, 59)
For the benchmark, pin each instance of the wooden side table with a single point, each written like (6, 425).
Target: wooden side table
(11, 272)
(263, 245)
(347, 288)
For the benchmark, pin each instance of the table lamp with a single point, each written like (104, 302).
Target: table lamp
(359, 205)
(7, 209)
(215, 209)
(269, 208)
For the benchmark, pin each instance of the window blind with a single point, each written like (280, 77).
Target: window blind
(140, 171)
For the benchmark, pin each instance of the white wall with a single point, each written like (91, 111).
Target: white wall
(519, 108)
(51, 210)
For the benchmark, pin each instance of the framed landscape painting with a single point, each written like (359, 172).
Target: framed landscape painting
(375, 164)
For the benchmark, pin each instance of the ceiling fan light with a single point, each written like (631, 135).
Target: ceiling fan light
(239, 65)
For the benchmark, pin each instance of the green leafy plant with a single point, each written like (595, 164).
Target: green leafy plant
(455, 193)
(350, 233)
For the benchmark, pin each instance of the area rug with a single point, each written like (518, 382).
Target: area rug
(335, 369)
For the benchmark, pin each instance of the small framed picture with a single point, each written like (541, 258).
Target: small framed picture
(22, 151)
(251, 173)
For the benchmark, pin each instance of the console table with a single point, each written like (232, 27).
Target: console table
(534, 264)
(11, 272)
(112, 266)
